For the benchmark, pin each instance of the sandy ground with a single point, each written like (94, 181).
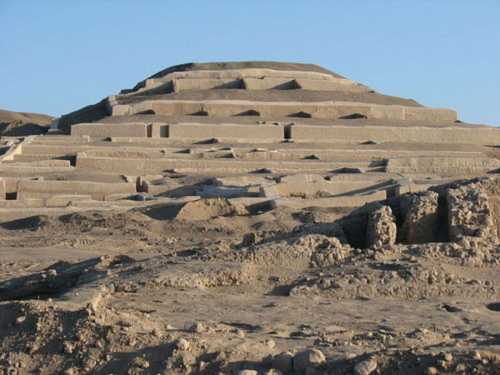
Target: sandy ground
(239, 293)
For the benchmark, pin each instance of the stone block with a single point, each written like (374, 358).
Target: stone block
(102, 130)
(3, 188)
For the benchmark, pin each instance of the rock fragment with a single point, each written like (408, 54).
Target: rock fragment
(283, 362)
(182, 344)
(366, 367)
(248, 372)
(310, 358)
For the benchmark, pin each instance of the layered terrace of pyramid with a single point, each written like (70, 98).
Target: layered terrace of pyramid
(252, 92)
(289, 134)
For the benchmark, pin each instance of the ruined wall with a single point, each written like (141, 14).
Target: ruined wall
(420, 216)
(470, 214)
(381, 227)
(29, 189)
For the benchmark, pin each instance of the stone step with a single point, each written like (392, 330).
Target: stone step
(52, 150)
(338, 202)
(443, 166)
(320, 110)
(211, 166)
(59, 140)
(346, 134)
(38, 161)
(275, 152)
(310, 186)
(160, 147)
(270, 83)
(27, 170)
(234, 74)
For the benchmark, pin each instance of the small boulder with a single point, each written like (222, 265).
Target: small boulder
(366, 367)
(182, 344)
(307, 359)
(248, 372)
(283, 362)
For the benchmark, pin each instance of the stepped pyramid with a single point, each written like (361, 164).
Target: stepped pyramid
(259, 130)
(249, 93)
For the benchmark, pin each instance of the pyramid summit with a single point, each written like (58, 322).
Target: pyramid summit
(269, 90)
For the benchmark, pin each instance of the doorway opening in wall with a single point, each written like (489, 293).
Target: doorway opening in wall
(12, 196)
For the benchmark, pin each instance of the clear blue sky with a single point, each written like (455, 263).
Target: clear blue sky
(59, 55)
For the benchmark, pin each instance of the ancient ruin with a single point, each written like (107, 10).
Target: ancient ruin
(250, 218)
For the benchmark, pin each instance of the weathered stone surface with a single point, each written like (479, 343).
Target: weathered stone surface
(470, 214)
(404, 134)
(381, 229)
(283, 362)
(420, 217)
(226, 131)
(107, 130)
(446, 165)
(366, 367)
(308, 359)
(3, 188)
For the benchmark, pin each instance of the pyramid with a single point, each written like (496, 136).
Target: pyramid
(273, 90)
(249, 218)
(254, 127)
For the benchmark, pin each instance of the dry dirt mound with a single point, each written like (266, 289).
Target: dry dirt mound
(206, 209)
(20, 124)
